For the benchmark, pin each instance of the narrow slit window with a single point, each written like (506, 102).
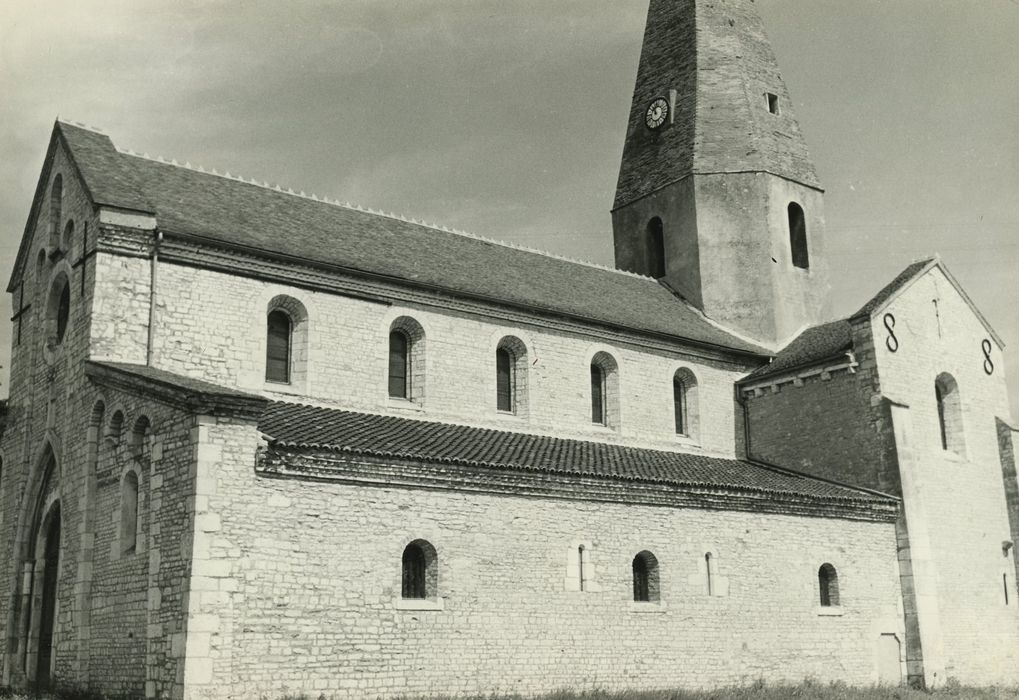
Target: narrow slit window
(63, 311)
(656, 248)
(399, 365)
(949, 405)
(798, 236)
(580, 565)
(772, 101)
(597, 395)
(504, 380)
(707, 571)
(940, 398)
(129, 514)
(679, 406)
(277, 348)
(1004, 584)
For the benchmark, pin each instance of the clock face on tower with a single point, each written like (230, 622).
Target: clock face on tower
(657, 113)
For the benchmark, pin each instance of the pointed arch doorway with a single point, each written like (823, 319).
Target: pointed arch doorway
(49, 559)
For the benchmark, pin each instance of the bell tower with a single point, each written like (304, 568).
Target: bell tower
(717, 196)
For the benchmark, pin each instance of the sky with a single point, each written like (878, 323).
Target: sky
(506, 118)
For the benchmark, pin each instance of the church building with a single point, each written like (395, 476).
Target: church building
(262, 443)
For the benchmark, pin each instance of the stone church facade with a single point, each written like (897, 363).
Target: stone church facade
(261, 443)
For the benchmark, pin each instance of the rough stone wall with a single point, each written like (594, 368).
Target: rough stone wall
(46, 403)
(212, 326)
(307, 583)
(114, 612)
(138, 598)
(825, 424)
(958, 498)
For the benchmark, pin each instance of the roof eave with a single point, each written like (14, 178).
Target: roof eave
(195, 401)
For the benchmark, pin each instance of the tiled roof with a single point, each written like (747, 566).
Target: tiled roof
(831, 339)
(889, 290)
(238, 214)
(110, 180)
(812, 345)
(324, 429)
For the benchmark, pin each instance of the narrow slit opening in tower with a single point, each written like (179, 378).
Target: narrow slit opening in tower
(772, 102)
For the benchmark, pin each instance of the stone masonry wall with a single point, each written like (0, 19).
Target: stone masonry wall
(307, 582)
(821, 426)
(115, 611)
(958, 496)
(212, 326)
(48, 416)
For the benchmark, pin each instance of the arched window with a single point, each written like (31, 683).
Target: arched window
(115, 427)
(58, 310)
(685, 403)
(597, 395)
(286, 341)
(66, 241)
(406, 364)
(679, 405)
(420, 571)
(56, 202)
(63, 311)
(828, 585)
(399, 365)
(503, 380)
(604, 390)
(946, 393)
(656, 248)
(511, 376)
(798, 236)
(277, 346)
(129, 513)
(645, 578)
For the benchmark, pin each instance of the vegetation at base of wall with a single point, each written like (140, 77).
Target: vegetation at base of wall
(757, 691)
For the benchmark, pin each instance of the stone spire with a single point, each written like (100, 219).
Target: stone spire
(716, 176)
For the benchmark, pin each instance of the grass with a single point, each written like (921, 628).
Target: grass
(758, 691)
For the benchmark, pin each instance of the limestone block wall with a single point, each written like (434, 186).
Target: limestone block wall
(137, 597)
(212, 326)
(305, 586)
(957, 495)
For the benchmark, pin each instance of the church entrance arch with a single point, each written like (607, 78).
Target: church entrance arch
(49, 544)
(35, 602)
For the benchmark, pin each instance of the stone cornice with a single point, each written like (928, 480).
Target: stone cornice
(184, 250)
(202, 402)
(796, 376)
(282, 463)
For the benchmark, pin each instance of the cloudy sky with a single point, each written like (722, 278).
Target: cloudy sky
(506, 117)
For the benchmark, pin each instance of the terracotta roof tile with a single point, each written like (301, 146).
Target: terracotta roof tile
(811, 346)
(299, 426)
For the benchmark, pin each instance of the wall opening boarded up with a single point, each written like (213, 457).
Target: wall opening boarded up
(889, 667)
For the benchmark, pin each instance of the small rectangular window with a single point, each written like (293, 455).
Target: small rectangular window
(772, 102)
